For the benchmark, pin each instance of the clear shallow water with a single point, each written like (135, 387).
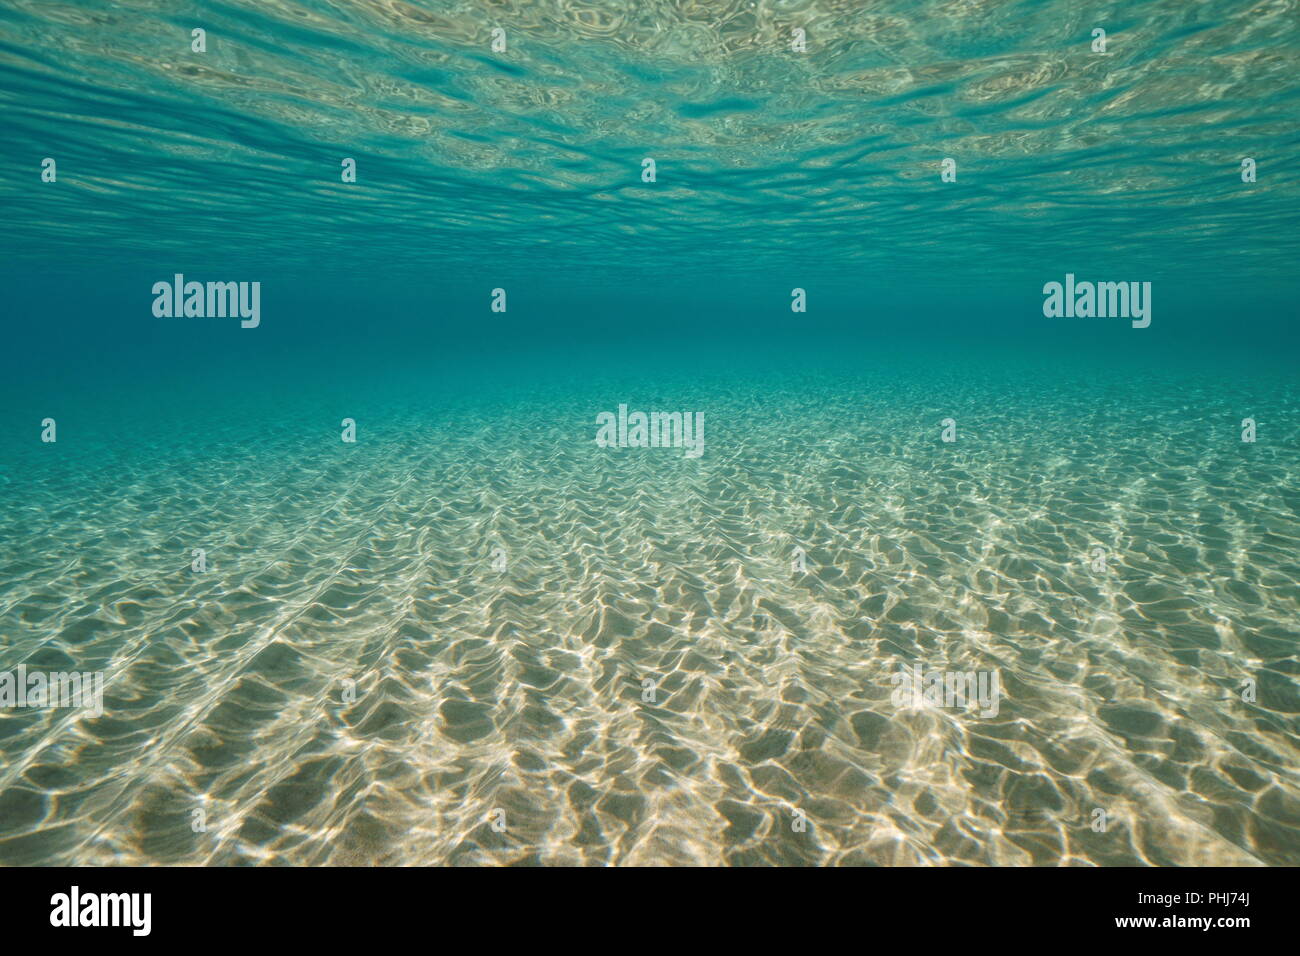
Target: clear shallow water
(520, 690)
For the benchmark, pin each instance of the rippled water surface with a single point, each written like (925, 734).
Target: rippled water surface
(825, 161)
(475, 637)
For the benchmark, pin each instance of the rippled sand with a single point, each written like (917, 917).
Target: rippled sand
(521, 690)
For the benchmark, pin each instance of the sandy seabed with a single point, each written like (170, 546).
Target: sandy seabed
(650, 679)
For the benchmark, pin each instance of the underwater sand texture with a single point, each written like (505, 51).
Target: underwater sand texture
(480, 690)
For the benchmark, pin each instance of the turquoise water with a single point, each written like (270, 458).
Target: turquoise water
(475, 636)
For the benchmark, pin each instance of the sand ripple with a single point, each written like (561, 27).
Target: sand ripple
(480, 690)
